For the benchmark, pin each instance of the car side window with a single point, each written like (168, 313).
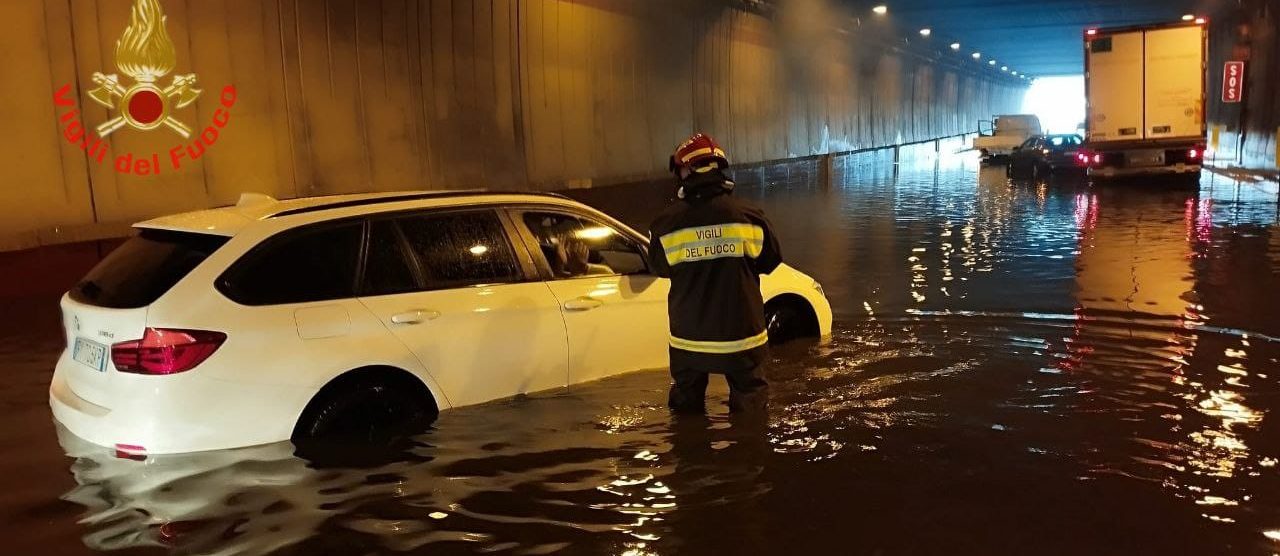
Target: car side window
(316, 263)
(573, 246)
(387, 267)
(1029, 143)
(461, 249)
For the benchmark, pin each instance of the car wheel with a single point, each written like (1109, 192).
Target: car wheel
(365, 410)
(789, 317)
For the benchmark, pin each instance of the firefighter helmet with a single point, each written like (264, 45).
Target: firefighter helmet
(699, 153)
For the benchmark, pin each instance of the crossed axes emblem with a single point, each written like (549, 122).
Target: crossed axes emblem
(112, 95)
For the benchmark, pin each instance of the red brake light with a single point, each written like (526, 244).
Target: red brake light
(1088, 158)
(1193, 154)
(163, 351)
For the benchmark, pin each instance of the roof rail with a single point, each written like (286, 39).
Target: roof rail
(409, 197)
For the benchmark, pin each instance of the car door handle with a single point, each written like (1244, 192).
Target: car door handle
(416, 316)
(582, 304)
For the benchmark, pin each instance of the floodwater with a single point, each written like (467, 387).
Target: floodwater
(1017, 368)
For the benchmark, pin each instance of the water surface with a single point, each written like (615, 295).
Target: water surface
(1054, 368)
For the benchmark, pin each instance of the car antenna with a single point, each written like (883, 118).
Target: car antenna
(255, 199)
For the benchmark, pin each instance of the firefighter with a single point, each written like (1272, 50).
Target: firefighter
(714, 248)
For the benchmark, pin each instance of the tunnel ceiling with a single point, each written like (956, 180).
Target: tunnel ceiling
(1035, 37)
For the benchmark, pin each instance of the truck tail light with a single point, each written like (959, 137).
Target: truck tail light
(165, 351)
(1194, 154)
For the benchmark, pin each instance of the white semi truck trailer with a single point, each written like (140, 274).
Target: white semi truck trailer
(1145, 89)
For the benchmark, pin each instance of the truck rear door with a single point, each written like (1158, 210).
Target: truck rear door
(1175, 82)
(1115, 86)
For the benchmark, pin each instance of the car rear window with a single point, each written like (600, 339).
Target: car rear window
(315, 263)
(143, 268)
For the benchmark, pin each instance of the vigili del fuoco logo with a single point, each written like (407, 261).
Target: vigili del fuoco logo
(141, 100)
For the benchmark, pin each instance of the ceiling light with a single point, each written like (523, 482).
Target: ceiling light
(991, 63)
(977, 55)
(881, 9)
(1188, 17)
(1004, 68)
(926, 32)
(955, 46)
(1014, 73)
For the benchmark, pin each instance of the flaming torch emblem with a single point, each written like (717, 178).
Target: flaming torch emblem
(145, 53)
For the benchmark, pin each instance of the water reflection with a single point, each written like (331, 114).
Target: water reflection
(1017, 368)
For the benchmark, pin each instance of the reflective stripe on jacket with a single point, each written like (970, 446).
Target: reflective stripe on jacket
(714, 247)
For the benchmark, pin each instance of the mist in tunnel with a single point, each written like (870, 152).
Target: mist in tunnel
(1058, 102)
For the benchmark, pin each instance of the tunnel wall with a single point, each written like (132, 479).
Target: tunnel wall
(1247, 131)
(372, 95)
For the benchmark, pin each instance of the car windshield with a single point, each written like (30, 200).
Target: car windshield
(144, 267)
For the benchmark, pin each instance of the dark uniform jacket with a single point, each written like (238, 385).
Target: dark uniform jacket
(714, 247)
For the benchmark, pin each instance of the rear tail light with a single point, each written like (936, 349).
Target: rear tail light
(1193, 154)
(1087, 158)
(131, 452)
(164, 351)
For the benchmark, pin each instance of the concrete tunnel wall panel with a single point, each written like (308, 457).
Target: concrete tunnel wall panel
(349, 96)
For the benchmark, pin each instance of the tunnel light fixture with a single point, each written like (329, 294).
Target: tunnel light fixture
(1004, 68)
(1014, 73)
(1188, 17)
(977, 55)
(926, 32)
(991, 63)
(955, 46)
(881, 9)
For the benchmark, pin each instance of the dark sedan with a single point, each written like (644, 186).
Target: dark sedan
(1042, 155)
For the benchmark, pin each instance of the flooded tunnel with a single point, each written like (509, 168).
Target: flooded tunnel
(1009, 352)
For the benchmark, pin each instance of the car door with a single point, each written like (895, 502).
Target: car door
(467, 301)
(1023, 157)
(615, 310)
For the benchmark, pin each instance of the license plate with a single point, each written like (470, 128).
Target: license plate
(90, 354)
(1146, 158)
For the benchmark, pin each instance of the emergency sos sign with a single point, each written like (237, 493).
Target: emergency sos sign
(1232, 81)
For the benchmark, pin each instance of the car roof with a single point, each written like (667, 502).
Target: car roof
(255, 207)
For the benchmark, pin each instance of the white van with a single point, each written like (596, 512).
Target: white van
(1005, 133)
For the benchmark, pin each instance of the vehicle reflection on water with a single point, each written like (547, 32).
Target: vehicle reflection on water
(1017, 368)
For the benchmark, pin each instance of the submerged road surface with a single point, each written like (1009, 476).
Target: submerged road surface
(1018, 368)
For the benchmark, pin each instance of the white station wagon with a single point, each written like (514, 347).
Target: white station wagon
(271, 320)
